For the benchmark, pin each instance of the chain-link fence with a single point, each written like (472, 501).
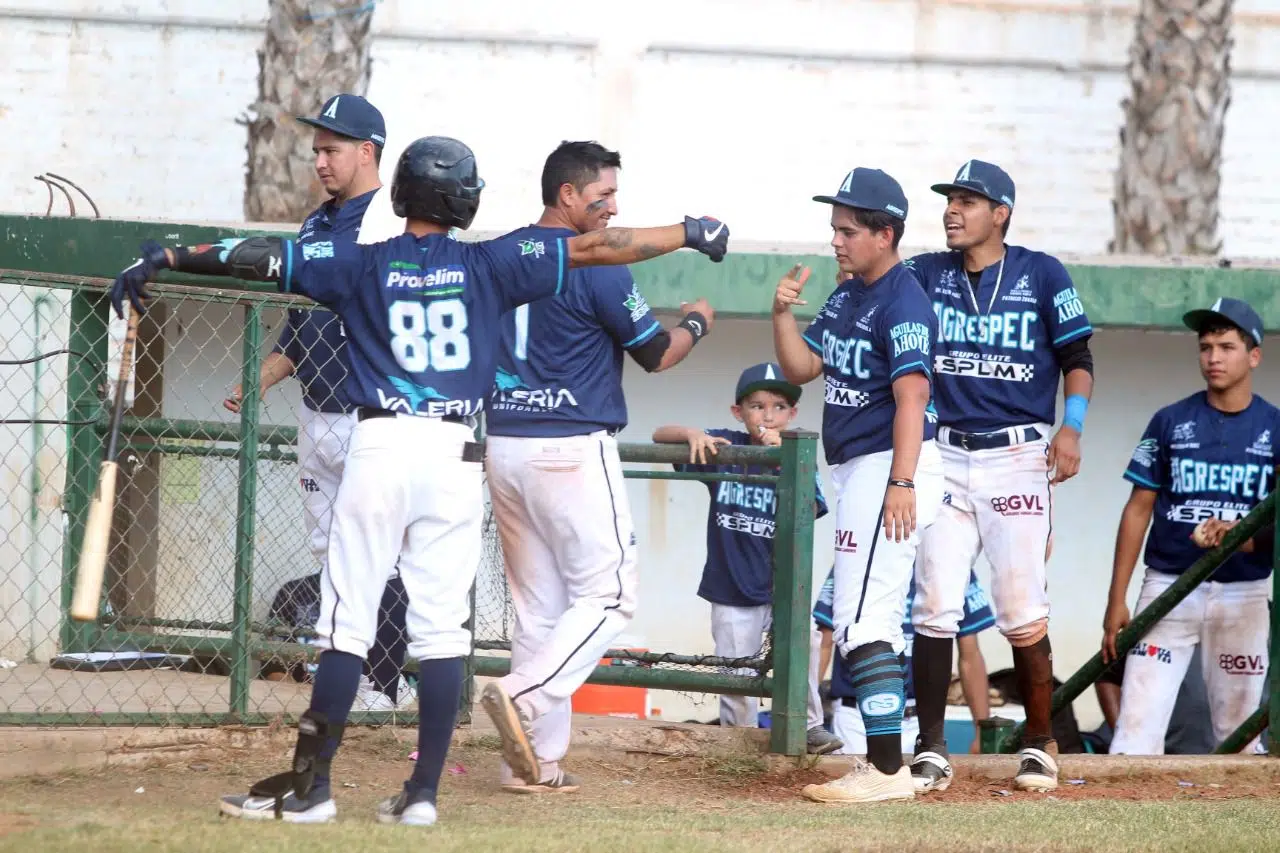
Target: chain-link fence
(211, 572)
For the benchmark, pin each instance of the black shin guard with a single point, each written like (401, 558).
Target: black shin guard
(931, 678)
(313, 730)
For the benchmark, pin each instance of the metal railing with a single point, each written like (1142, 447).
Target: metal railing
(225, 635)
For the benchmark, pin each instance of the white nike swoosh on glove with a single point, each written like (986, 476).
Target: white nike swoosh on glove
(711, 235)
(696, 325)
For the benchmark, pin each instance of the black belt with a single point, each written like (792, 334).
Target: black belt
(990, 440)
(364, 413)
(471, 451)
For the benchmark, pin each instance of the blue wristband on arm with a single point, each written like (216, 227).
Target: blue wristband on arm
(1075, 408)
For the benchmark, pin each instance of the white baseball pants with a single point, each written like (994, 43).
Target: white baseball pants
(739, 632)
(323, 442)
(1230, 622)
(406, 493)
(872, 572)
(846, 724)
(999, 502)
(570, 550)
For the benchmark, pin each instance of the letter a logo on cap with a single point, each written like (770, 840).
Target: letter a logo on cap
(768, 372)
(847, 186)
(963, 174)
(332, 112)
(1217, 306)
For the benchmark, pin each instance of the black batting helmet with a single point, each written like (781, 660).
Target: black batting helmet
(436, 181)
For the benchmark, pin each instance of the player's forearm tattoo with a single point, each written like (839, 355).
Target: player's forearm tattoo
(624, 238)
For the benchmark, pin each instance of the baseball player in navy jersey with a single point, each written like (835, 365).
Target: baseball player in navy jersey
(555, 480)
(422, 314)
(737, 578)
(978, 617)
(873, 343)
(349, 138)
(1009, 322)
(1203, 462)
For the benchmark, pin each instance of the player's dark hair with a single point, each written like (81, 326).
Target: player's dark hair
(1218, 328)
(377, 154)
(1004, 229)
(575, 163)
(878, 220)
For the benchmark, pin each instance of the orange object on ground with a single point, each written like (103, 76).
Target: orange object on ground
(609, 700)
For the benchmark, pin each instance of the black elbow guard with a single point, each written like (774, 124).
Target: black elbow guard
(649, 354)
(251, 259)
(258, 259)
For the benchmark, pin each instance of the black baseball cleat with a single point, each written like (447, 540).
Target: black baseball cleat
(1038, 771)
(930, 771)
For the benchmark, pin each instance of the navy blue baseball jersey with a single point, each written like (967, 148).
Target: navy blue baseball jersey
(867, 337)
(560, 363)
(313, 339)
(996, 363)
(978, 617)
(1203, 463)
(422, 313)
(740, 527)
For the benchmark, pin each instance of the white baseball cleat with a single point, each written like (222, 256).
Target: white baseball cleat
(864, 784)
(930, 771)
(404, 809)
(513, 729)
(316, 807)
(1038, 771)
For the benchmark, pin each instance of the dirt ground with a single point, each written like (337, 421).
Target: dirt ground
(373, 763)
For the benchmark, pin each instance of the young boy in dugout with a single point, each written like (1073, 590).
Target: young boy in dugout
(737, 579)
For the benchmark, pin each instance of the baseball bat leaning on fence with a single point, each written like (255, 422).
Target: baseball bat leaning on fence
(97, 529)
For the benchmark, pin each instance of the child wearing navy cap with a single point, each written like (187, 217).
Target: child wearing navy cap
(737, 578)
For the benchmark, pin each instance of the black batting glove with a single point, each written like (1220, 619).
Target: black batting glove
(133, 280)
(708, 235)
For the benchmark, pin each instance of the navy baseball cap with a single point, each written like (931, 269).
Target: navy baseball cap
(986, 179)
(869, 189)
(1237, 312)
(353, 117)
(765, 377)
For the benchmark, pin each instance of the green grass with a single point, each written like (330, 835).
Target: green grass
(562, 825)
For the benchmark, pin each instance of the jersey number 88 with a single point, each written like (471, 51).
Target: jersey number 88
(430, 336)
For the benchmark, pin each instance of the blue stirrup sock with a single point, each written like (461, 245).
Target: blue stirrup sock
(877, 676)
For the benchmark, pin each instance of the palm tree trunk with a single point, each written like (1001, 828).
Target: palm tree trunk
(312, 50)
(1166, 200)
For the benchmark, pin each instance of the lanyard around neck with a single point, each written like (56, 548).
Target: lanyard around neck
(973, 296)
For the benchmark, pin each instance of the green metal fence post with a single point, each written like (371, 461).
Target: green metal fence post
(84, 446)
(246, 502)
(1273, 736)
(792, 584)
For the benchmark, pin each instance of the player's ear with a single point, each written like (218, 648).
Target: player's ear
(568, 195)
(736, 410)
(1255, 357)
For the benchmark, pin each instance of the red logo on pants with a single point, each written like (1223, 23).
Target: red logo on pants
(1018, 505)
(845, 542)
(1243, 664)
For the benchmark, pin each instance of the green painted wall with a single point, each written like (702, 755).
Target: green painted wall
(1150, 297)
